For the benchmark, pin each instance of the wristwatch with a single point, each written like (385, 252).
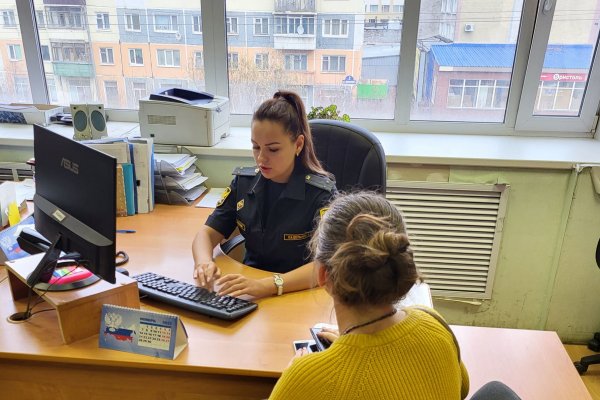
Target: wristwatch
(278, 281)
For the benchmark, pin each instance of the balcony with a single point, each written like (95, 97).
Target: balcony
(295, 6)
(295, 42)
(70, 69)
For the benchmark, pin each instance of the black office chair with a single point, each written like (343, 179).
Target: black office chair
(351, 153)
(594, 344)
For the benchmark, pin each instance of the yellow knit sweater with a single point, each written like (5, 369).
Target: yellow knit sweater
(414, 359)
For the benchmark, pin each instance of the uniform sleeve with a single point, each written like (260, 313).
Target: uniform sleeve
(223, 217)
(323, 204)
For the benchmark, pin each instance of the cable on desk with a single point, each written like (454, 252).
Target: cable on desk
(121, 258)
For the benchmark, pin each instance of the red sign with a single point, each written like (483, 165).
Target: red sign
(563, 77)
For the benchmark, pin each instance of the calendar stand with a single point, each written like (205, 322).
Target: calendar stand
(79, 310)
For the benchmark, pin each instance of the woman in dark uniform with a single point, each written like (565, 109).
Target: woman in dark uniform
(274, 205)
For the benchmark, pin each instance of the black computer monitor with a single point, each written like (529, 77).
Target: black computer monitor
(74, 208)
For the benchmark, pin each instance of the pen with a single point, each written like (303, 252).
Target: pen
(125, 231)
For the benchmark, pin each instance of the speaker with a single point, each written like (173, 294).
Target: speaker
(89, 121)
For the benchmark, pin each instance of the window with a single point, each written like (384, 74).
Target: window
(136, 57)
(165, 23)
(14, 52)
(232, 25)
(482, 94)
(168, 58)
(261, 26)
(106, 55)
(198, 59)
(139, 91)
(233, 60)
(22, 90)
(262, 61)
(334, 64)
(70, 52)
(513, 73)
(196, 24)
(8, 18)
(111, 93)
(102, 21)
(295, 62)
(132, 22)
(294, 25)
(40, 19)
(45, 52)
(335, 27)
(65, 17)
(80, 90)
(52, 92)
(385, 8)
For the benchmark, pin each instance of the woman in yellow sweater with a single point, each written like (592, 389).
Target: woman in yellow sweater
(364, 261)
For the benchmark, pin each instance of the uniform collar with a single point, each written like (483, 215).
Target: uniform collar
(294, 189)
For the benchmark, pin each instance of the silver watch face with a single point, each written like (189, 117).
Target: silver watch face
(278, 280)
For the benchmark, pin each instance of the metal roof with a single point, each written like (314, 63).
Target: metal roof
(558, 56)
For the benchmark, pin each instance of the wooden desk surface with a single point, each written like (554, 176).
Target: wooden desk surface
(240, 359)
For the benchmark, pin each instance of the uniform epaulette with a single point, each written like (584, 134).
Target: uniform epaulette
(322, 182)
(245, 171)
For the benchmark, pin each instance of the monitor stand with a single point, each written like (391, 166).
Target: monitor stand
(53, 274)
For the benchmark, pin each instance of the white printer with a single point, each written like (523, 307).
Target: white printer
(184, 117)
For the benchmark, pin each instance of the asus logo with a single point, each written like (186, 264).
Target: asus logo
(69, 165)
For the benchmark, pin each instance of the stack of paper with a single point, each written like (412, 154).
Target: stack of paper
(176, 179)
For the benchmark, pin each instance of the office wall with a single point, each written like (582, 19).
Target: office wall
(546, 277)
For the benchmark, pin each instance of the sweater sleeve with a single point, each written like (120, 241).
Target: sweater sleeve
(464, 384)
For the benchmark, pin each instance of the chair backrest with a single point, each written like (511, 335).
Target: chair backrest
(351, 153)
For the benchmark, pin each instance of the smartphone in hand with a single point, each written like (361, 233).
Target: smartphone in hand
(321, 343)
(309, 344)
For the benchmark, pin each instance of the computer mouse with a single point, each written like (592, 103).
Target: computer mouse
(122, 271)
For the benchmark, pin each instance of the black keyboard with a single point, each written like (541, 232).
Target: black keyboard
(190, 297)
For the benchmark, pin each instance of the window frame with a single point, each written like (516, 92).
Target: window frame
(329, 23)
(171, 53)
(229, 26)
(13, 49)
(133, 61)
(303, 60)
(197, 18)
(533, 36)
(109, 54)
(261, 60)
(173, 25)
(10, 13)
(103, 18)
(328, 58)
(263, 22)
(130, 23)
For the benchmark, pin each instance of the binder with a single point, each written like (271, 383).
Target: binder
(142, 332)
(144, 170)
(129, 187)
(121, 197)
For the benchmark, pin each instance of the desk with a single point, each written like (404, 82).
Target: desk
(231, 360)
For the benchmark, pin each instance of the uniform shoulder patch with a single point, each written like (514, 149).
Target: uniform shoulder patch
(224, 196)
(245, 171)
(322, 182)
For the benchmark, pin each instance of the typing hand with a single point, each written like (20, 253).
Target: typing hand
(236, 285)
(206, 273)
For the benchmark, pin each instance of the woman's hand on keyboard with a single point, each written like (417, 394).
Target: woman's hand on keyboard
(206, 273)
(236, 285)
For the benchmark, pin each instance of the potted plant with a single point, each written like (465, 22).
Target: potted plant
(329, 112)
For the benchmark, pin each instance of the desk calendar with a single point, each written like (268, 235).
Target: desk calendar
(142, 332)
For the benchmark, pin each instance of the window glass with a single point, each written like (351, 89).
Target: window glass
(568, 59)
(14, 81)
(315, 48)
(465, 58)
(114, 52)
